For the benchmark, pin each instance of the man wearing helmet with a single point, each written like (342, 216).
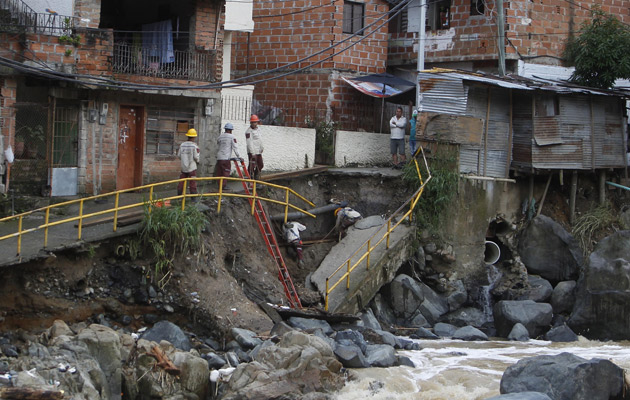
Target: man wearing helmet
(291, 232)
(189, 155)
(346, 217)
(227, 145)
(254, 142)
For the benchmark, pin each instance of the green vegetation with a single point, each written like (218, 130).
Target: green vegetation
(324, 135)
(440, 191)
(590, 225)
(68, 36)
(600, 52)
(167, 231)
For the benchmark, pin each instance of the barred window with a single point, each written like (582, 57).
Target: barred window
(353, 14)
(165, 127)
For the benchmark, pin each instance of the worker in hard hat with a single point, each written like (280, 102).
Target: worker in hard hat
(346, 217)
(189, 155)
(227, 145)
(255, 147)
(291, 231)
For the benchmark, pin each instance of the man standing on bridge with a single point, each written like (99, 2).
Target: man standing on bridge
(253, 138)
(227, 145)
(189, 155)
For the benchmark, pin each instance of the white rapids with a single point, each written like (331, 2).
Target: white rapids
(458, 370)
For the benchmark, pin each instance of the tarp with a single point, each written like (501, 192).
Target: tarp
(372, 89)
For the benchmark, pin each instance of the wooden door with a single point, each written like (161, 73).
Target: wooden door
(129, 172)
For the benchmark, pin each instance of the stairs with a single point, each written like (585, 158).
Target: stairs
(270, 238)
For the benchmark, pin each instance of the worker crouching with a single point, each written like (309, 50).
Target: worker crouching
(291, 232)
(346, 217)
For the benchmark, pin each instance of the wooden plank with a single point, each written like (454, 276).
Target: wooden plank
(24, 393)
(294, 174)
(316, 314)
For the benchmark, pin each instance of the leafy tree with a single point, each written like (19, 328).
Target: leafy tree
(601, 52)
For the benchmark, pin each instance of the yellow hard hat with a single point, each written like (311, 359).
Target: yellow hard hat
(191, 133)
(337, 211)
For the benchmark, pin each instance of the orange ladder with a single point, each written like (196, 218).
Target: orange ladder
(270, 238)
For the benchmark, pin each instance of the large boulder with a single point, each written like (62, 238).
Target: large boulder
(351, 356)
(409, 298)
(538, 290)
(309, 324)
(380, 355)
(563, 297)
(603, 291)
(104, 345)
(165, 330)
(566, 377)
(466, 316)
(536, 317)
(469, 333)
(561, 333)
(548, 250)
(521, 396)
(518, 333)
(298, 364)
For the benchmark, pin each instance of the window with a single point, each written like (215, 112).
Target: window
(165, 126)
(353, 14)
(438, 15)
(547, 105)
(477, 7)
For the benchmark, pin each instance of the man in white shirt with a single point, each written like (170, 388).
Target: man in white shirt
(292, 231)
(253, 139)
(227, 145)
(189, 155)
(397, 138)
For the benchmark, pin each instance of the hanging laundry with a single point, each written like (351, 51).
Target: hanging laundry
(157, 41)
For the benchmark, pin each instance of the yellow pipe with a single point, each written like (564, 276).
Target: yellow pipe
(184, 194)
(326, 299)
(286, 208)
(369, 251)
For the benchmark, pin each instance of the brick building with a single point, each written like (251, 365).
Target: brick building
(101, 99)
(286, 33)
(462, 33)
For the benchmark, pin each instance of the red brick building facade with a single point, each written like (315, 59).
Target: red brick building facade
(287, 32)
(74, 90)
(462, 33)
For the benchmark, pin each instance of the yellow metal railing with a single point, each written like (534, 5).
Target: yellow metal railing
(220, 193)
(368, 246)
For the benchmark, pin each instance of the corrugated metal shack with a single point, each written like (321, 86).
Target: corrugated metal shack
(515, 123)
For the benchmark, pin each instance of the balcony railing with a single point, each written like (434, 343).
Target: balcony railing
(133, 59)
(17, 16)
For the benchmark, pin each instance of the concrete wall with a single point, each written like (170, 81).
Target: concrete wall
(286, 148)
(363, 149)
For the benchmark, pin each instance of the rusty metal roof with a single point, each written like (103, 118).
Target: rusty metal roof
(515, 82)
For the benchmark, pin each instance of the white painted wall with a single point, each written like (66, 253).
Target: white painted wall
(238, 16)
(363, 149)
(286, 148)
(61, 7)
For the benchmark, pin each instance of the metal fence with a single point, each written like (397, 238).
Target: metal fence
(16, 16)
(136, 59)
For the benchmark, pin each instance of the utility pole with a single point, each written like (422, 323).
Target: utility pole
(422, 38)
(501, 38)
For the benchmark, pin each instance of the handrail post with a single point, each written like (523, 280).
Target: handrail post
(254, 197)
(151, 197)
(184, 193)
(326, 299)
(369, 251)
(116, 202)
(19, 241)
(46, 228)
(286, 207)
(80, 219)
(389, 224)
(348, 276)
(220, 194)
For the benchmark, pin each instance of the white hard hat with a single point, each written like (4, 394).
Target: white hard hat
(229, 126)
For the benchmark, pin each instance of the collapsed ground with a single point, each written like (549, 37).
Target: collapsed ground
(209, 291)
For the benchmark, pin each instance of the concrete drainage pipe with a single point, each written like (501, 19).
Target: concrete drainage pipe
(491, 253)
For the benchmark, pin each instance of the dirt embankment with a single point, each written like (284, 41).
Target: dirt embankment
(209, 291)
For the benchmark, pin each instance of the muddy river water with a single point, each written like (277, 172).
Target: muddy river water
(457, 370)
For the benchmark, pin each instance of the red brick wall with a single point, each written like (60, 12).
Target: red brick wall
(288, 31)
(535, 28)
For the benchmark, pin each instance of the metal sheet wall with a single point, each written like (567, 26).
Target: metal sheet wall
(443, 94)
(523, 128)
